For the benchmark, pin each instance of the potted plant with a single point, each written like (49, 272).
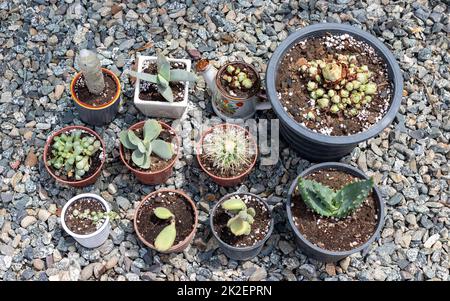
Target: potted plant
(160, 90)
(86, 217)
(334, 211)
(74, 155)
(149, 149)
(332, 86)
(242, 223)
(227, 153)
(95, 90)
(166, 220)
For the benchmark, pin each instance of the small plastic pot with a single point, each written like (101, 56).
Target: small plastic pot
(84, 182)
(240, 253)
(182, 244)
(96, 238)
(152, 177)
(233, 181)
(319, 253)
(99, 115)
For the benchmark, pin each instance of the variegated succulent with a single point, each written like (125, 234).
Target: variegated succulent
(143, 148)
(329, 203)
(164, 76)
(241, 222)
(166, 238)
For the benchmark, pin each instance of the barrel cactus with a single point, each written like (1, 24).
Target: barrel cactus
(72, 154)
(166, 238)
(143, 148)
(241, 222)
(329, 203)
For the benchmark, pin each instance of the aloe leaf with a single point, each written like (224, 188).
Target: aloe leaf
(162, 149)
(136, 141)
(163, 67)
(312, 199)
(177, 75)
(166, 92)
(138, 158)
(234, 204)
(352, 195)
(166, 238)
(144, 76)
(123, 137)
(162, 213)
(152, 129)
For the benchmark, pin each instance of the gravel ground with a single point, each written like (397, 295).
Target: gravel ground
(409, 160)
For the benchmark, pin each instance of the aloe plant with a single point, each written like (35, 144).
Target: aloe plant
(241, 222)
(166, 238)
(164, 76)
(143, 148)
(72, 154)
(92, 70)
(330, 203)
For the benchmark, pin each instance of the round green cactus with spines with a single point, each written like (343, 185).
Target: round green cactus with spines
(241, 222)
(72, 154)
(143, 148)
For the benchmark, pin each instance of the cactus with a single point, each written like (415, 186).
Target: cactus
(97, 217)
(164, 76)
(143, 148)
(228, 148)
(237, 78)
(72, 153)
(327, 202)
(91, 68)
(166, 238)
(240, 223)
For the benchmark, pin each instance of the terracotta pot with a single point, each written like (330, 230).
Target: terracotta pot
(84, 182)
(182, 244)
(99, 115)
(233, 181)
(152, 177)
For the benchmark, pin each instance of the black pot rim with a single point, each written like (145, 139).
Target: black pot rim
(259, 243)
(354, 171)
(382, 50)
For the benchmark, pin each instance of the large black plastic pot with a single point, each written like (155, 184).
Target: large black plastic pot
(319, 147)
(311, 249)
(240, 253)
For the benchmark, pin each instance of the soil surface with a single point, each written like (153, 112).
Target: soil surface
(294, 96)
(83, 94)
(149, 226)
(149, 91)
(241, 92)
(79, 225)
(156, 163)
(260, 226)
(335, 234)
(95, 161)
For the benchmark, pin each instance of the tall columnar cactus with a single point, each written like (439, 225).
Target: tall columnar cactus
(143, 148)
(73, 153)
(92, 71)
(166, 238)
(164, 76)
(241, 222)
(327, 202)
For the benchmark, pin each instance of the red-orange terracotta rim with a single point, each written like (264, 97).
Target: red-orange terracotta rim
(187, 239)
(88, 106)
(200, 144)
(65, 130)
(170, 165)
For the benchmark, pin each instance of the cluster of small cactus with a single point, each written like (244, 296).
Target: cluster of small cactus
(329, 203)
(166, 238)
(338, 85)
(241, 222)
(164, 76)
(143, 148)
(73, 153)
(228, 148)
(97, 217)
(237, 78)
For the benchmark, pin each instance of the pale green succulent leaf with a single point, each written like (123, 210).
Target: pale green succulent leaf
(166, 238)
(162, 149)
(138, 157)
(177, 75)
(251, 212)
(123, 137)
(135, 140)
(144, 76)
(234, 204)
(166, 92)
(352, 195)
(162, 81)
(162, 213)
(163, 67)
(152, 129)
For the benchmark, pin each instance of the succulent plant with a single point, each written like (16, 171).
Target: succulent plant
(166, 238)
(97, 217)
(228, 148)
(164, 76)
(92, 70)
(237, 78)
(327, 202)
(72, 154)
(241, 222)
(340, 81)
(143, 148)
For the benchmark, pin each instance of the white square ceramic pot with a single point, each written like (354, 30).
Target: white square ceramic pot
(162, 109)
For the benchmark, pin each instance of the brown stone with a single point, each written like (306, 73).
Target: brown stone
(31, 159)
